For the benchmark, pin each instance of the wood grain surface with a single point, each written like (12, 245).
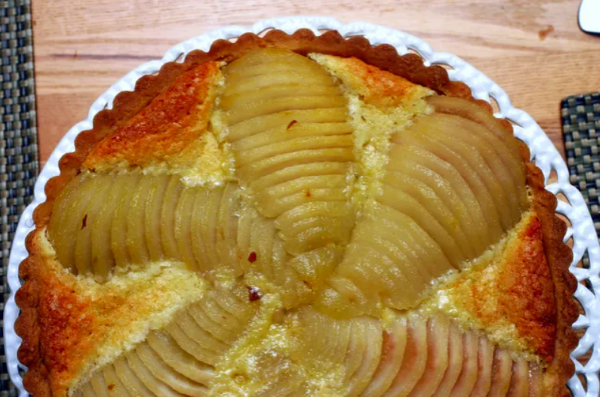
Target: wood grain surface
(533, 49)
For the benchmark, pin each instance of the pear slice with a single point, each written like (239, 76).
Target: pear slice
(443, 127)
(470, 219)
(234, 102)
(199, 333)
(318, 341)
(235, 307)
(112, 378)
(435, 206)
(489, 172)
(293, 144)
(519, 384)
(86, 391)
(414, 361)
(147, 378)
(296, 129)
(203, 226)
(152, 216)
(247, 215)
(266, 61)
(83, 237)
(260, 255)
(473, 170)
(137, 246)
(210, 225)
(264, 107)
(304, 185)
(224, 308)
(227, 229)
(438, 329)
(350, 347)
(297, 172)
(61, 214)
(262, 168)
(470, 369)
(201, 247)
(183, 226)
(211, 325)
(287, 119)
(456, 355)
(103, 258)
(266, 56)
(485, 360)
(274, 208)
(168, 216)
(284, 78)
(315, 266)
(415, 243)
(377, 263)
(511, 158)
(334, 231)
(250, 72)
(375, 274)
(363, 355)
(74, 203)
(502, 373)
(471, 111)
(99, 385)
(405, 204)
(343, 298)
(130, 380)
(173, 355)
(470, 189)
(166, 375)
(118, 232)
(191, 346)
(392, 355)
(311, 209)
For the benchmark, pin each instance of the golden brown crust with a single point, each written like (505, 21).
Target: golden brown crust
(559, 257)
(511, 288)
(373, 85)
(31, 296)
(164, 128)
(48, 343)
(63, 341)
(528, 300)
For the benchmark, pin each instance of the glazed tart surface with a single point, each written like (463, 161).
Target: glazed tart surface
(297, 216)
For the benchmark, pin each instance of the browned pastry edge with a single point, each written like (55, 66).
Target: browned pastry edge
(559, 257)
(410, 66)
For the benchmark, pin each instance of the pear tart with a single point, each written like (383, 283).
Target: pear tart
(297, 216)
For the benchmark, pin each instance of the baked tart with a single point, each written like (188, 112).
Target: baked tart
(297, 215)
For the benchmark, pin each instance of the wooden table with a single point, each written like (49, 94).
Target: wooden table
(533, 49)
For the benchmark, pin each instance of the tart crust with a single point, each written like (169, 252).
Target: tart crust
(410, 66)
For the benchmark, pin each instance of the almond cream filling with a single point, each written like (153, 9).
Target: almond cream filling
(154, 292)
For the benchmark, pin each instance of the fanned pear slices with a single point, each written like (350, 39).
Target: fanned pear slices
(121, 220)
(451, 189)
(293, 150)
(179, 360)
(338, 217)
(409, 356)
(349, 350)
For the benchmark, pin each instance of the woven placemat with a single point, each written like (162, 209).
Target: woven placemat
(581, 132)
(18, 137)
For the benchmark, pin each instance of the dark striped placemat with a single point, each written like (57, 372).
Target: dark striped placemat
(581, 130)
(18, 137)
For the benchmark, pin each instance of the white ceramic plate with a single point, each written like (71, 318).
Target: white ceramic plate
(542, 151)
